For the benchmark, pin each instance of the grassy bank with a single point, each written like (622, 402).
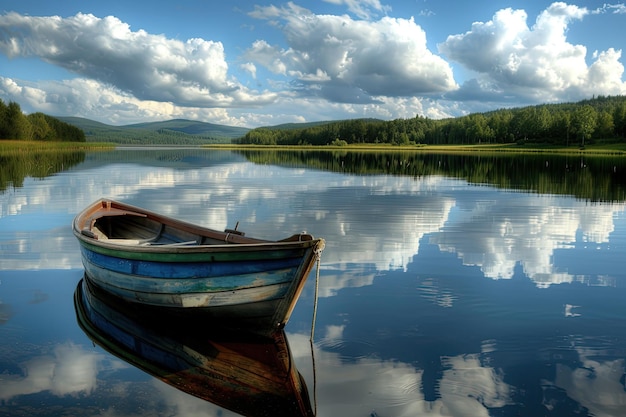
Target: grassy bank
(601, 149)
(17, 146)
(614, 149)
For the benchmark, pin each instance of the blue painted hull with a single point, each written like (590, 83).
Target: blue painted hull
(239, 279)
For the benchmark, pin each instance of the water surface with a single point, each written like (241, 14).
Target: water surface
(443, 291)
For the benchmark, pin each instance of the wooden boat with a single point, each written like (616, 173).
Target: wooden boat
(147, 258)
(244, 373)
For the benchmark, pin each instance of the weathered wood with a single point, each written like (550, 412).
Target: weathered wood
(150, 259)
(251, 375)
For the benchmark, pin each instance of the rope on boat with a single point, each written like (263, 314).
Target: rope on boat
(318, 254)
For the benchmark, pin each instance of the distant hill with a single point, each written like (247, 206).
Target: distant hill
(294, 126)
(174, 132)
(90, 125)
(170, 132)
(192, 127)
(290, 126)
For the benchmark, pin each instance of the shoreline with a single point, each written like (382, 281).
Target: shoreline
(613, 149)
(616, 149)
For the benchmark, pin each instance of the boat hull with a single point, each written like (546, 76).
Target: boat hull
(253, 282)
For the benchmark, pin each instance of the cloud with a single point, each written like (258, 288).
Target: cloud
(250, 68)
(69, 370)
(327, 67)
(82, 97)
(535, 64)
(517, 230)
(595, 380)
(351, 61)
(92, 99)
(611, 8)
(149, 67)
(360, 69)
(363, 9)
(467, 386)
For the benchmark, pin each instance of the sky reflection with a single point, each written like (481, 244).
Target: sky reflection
(366, 220)
(356, 387)
(437, 297)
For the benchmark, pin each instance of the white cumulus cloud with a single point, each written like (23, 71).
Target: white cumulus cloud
(534, 63)
(309, 65)
(150, 67)
(352, 61)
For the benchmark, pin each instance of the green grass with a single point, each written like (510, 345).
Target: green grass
(614, 149)
(600, 149)
(18, 146)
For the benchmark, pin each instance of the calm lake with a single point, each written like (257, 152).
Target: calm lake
(450, 285)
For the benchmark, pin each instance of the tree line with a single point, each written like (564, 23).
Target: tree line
(36, 126)
(565, 124)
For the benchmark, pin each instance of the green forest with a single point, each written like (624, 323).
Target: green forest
(15, 125)
(600, 119)
(566, 124)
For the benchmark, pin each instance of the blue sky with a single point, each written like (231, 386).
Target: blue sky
(256, 63)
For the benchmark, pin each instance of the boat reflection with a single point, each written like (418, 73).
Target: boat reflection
(249, 374)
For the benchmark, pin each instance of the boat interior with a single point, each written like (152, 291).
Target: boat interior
(138, 229)
(122, 225)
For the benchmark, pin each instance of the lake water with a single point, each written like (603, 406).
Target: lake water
(448, 287)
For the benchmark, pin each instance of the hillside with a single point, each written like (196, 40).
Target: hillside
(178, 131)
(600, 119)
(191, 127)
